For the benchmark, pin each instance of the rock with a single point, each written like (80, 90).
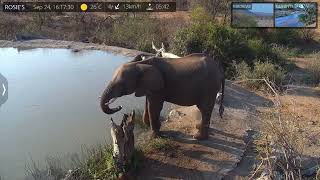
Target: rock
(310, 171)
(85, 40)
(27, 37)
(175, 114)
(75, 50)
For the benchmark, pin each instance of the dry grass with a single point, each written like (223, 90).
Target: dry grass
(282, 142)
(314, 67)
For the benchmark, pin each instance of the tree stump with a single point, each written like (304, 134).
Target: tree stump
(123, 140)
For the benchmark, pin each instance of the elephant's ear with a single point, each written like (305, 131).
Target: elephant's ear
(142, 57)
(138, 58)
(150, 80)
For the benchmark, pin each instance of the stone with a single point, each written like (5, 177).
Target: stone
(175, 114)
(310, 171)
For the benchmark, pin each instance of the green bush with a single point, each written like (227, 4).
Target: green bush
(189, 40)
(226, 43)
(287, 37)
(192, 38)
(223, 40)
(258, 48)
(100, 164)
(199, 15)
(261, 70)
(136, 33)
(284, 51)
(242, 70)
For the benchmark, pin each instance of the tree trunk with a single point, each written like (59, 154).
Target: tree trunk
(123, 140)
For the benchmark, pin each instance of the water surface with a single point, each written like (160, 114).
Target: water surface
(53, 104)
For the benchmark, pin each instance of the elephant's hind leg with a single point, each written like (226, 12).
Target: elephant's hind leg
(203, 127)
(146, 114)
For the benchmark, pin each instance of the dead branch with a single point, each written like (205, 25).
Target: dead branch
(123, 140)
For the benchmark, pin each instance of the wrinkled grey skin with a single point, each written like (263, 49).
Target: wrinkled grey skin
(191, 80)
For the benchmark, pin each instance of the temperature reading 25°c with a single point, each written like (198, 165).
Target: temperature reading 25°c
(162, 6)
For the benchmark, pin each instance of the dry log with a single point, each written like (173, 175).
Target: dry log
(123, 140)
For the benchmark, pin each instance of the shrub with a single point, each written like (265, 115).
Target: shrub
(136, 33)
(261, 70)
(258, 48)
(284, 51)
(242, 70)
(280, 145)
(189, 40)
(314, 68)
(307, 34)
(226, 42)
(200, 16)
(287, 37)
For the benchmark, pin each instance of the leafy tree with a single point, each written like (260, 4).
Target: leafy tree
(310, 14)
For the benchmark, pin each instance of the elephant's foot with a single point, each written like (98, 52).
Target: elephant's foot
(146, 122)
(202, 134)
(155, 134)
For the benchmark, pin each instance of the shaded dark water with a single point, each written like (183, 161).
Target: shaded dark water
(53, 104)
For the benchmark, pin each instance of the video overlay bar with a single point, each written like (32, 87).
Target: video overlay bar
(89, 6)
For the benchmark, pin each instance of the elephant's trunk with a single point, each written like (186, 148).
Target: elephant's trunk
(106, 100)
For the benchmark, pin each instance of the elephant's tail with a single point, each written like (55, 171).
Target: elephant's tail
(221, 108)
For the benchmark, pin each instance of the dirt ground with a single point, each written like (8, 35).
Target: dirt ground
(219, 155)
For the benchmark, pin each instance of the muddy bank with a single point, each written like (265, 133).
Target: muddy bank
(75, 46)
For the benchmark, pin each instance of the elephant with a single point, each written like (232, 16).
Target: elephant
(191, 80)
(161, 52)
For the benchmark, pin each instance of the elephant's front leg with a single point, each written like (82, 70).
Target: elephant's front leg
(146, 114)
(155, 105)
